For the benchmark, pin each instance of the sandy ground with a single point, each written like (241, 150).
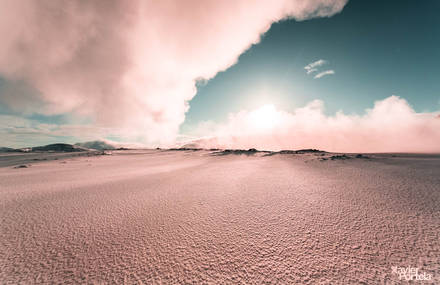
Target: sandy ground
(176, 217)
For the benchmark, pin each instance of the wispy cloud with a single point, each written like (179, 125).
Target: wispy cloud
(312, 67)
(311, 70)
(315, 66)
(324, 73)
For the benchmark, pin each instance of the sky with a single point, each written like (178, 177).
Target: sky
(376, 49)
(332, 74)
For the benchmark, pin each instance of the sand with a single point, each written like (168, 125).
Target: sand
(176, 217)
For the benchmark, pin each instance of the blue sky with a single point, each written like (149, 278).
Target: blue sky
(376, 49)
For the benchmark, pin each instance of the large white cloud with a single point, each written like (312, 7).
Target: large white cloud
(131, 65)
(390, 126)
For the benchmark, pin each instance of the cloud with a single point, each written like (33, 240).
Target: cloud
(324, 73)
(314, 67)
(130, 66)
(311, 67)
(390, 126)
(311, 70)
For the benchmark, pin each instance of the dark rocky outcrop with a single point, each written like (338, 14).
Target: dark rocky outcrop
(59, 147)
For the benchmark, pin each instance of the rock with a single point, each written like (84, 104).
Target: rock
(339, 157)
(21, 166)
(362, 156)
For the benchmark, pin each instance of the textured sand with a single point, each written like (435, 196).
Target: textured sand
(190, 217)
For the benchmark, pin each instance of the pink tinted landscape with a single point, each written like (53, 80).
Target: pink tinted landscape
(188, 174)
(199, 216)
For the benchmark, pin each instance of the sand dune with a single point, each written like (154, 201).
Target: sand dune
(178, 217)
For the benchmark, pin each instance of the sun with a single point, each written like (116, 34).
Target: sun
(264, 118)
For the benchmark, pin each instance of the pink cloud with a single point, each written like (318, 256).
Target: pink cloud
(132, 65)
(390, 126)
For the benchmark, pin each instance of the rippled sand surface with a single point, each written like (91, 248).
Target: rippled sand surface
(175, 217)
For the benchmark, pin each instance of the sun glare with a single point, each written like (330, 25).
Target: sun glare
(264, 118)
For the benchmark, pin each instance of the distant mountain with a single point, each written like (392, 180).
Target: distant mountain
(98, 145)
(8, 149)
(61, 147)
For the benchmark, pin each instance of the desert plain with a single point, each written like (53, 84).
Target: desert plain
(214, 217)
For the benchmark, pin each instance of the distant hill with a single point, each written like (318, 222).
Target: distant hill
(61, 147)
(98, 145)
(190, 145)
(8, 149)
